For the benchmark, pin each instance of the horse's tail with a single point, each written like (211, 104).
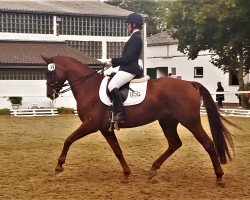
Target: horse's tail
(221, 136)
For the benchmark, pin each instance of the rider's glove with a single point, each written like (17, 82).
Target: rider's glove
(108, 71)
(111, 70)
(107, 65)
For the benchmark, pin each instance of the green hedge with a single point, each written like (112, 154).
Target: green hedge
(5, 111)
(246, 97)
(63, 110)
(16, 100)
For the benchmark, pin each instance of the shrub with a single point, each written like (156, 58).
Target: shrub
(63, 110)
(4, 111)
(15, 100)
(246, 97)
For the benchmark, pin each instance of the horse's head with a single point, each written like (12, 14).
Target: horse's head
(55, 77)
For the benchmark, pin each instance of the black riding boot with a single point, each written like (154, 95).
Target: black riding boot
(117, 105)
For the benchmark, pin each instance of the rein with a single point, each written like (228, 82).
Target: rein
(82, 78)
(57, 86)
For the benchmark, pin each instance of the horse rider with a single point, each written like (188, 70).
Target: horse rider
(126, 66)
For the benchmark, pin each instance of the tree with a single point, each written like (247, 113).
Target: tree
(155, 10)
(220, 26)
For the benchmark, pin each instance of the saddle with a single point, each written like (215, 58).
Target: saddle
(132, 93)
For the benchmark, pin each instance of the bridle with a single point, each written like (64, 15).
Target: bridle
(56, 85)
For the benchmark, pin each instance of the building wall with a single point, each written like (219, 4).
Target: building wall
(160, 56)
(34, 92)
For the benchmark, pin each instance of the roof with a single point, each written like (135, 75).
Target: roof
(29, 53)
(78, 7)
(160, 39)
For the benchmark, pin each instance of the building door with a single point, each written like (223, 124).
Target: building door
(151, 72)
(162, 72)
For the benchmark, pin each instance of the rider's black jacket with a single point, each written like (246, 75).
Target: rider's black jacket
(131, 53)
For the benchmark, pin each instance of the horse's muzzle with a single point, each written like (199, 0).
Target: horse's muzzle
(53, 95)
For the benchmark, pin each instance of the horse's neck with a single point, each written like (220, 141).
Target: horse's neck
(83, 81)
(73, 69)
(77, 73)
(79, 78)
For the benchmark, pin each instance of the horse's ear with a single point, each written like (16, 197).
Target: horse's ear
(47, 60)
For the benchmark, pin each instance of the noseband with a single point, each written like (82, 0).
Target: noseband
(55, 83)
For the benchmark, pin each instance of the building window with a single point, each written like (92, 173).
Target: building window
(233, 79)
(22, 74)
(114, 49)
(173, 71)
(198, 72)
(90, 48)
(162, 71)
(26, 23)
(92, 26)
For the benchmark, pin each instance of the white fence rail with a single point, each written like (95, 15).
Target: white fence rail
(33, 112)
(54, 112)
(227, 92)
(230, 112)
(68, 101)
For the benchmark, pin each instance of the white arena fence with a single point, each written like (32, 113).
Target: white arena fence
(227, 92)
(33, 112)
(54, 112)
(223, 112)
(42, 106)
(230, 112)
(235, 112)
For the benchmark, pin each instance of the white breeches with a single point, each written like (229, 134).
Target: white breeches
(120, 79)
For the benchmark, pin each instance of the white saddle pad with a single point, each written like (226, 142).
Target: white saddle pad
(135, 96)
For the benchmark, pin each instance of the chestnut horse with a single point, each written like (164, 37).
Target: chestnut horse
(168, 100)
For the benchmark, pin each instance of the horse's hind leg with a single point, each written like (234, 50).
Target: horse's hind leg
(82, 131)
(200, 134)
(113, 142)
(169, 127)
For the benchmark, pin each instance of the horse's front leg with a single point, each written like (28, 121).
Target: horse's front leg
(82, 131)
(113, 142)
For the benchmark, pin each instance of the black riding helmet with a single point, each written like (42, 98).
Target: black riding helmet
(135, 18)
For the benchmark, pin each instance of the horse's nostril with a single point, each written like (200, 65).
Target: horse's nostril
(49, 96)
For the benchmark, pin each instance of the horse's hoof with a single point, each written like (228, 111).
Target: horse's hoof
(125, 179)
(59, 169)
(116, 126)
(152, 173)
(126, 174)
(220, 183)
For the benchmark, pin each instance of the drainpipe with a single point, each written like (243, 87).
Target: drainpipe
(144, 48)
